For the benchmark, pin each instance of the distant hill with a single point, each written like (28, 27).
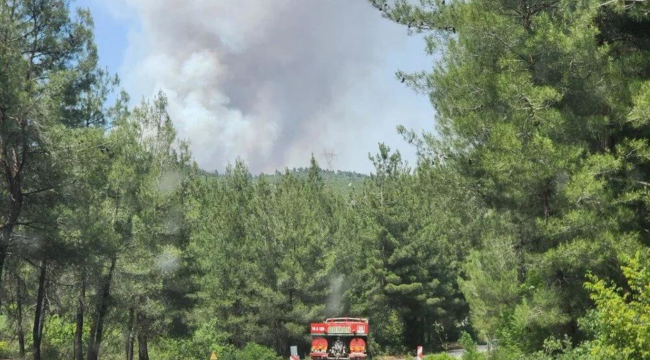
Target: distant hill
(340, 182)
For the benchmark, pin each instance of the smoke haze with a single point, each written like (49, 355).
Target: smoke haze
(273, 81)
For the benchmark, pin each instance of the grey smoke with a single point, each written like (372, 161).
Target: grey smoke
(168, 261)
(271, 81)
(169, 181)
(334, 300)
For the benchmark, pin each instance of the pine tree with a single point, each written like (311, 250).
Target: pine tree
(48, 80)
(536, 110)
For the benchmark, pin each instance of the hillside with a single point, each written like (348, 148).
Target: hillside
(340, 182)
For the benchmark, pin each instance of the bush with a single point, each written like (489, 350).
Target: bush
(438, 357)
(173, 349)
(57, 338)
(506, 353)
(554, 349)
(253, 351)
(471, 350)
(389, 332)
(5, 349)
(621, 321)
(204, 340)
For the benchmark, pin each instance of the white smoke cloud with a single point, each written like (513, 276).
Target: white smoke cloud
(271, 81)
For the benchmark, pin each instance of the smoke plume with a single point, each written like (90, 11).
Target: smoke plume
(334, 300)
(270, 81)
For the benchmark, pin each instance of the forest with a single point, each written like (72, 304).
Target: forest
(524, 224)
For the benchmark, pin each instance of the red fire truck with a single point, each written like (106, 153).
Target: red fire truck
(340, 338)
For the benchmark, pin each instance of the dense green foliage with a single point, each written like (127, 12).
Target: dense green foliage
(621, 320)
(341, 183)
(542, 115)
(525, 222)
(438, 357)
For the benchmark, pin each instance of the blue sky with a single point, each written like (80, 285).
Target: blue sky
(269, 84)
(111, 33)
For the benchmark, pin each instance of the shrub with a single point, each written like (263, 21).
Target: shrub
(173, 349)
(254, 351)
(204, 340)
(621, 321)
(5, 349)
(471, 350)
(389, 332)
(57, 338)
(438, 357)
(554, 349)
(506, 353)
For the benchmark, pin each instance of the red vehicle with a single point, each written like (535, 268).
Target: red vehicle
(340, 338)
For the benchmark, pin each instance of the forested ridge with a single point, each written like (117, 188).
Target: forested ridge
(525, 222)
(340, 182)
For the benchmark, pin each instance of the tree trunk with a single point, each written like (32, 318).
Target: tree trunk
(143, 350)
(131, 340)
(5, 235)
(546, 202)
(95, 340)
(78, 335)
(3, 257)
(19, 317)
(37, 333)
(15, 200)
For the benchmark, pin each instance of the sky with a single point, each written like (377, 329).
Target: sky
(269, 82)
